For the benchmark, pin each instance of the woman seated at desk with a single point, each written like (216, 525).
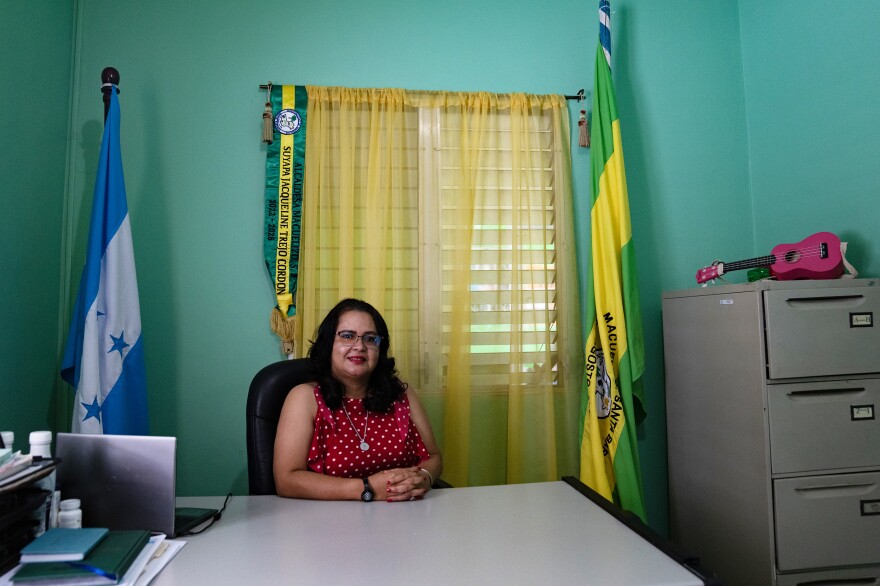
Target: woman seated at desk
(357, 431)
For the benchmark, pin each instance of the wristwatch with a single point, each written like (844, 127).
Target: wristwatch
(368, 494)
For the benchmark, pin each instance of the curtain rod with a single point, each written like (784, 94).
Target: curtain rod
(578, 96)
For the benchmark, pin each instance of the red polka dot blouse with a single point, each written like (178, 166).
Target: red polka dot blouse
(349, 443)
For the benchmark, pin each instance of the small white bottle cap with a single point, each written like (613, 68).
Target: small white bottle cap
(40, 442)
(8, 438)
(40, 437)
(70, 504)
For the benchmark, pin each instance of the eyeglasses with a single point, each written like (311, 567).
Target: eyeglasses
(349, 338)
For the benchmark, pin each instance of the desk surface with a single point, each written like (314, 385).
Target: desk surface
(542, 533)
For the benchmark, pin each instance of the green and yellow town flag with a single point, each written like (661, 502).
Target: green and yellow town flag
(611, 390)
(285, 170)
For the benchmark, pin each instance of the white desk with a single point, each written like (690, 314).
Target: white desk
(543, 533)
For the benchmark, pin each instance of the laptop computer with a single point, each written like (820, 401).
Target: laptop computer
(125, 482)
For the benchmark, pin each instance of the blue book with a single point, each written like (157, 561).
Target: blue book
(62, 544)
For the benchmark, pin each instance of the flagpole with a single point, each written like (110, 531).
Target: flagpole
(109, 78)
(104, 358)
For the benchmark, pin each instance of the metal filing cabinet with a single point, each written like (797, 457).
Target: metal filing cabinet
(773, 435)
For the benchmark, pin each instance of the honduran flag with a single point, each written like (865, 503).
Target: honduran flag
(104, 359)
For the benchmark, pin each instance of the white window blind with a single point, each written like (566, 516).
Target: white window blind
(511, 284)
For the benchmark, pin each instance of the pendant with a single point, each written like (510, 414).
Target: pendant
(365, 446)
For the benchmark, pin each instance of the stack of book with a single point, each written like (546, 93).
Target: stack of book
(85, 557)
(17, 470)
(21, 499)
(12, 463)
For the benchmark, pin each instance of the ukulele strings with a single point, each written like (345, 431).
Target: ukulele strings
(802, 254)
(809, 252)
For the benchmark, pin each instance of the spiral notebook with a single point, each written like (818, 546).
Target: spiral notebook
(125, 482)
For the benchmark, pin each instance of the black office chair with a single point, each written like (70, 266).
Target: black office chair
(266, 396)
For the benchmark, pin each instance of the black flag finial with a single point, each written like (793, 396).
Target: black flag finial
(109, 78)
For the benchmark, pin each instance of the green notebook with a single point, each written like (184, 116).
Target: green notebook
(62, 544)
(106, 564)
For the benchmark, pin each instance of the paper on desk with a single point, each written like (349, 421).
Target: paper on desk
(24, 475)
(159, 560)
(16, 467)
(140, 562)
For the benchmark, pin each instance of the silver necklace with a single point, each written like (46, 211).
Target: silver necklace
(364, 445)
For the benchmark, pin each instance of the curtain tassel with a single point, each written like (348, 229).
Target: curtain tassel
(267, 124)
(583, 130)
(268, 131)
(284, 327)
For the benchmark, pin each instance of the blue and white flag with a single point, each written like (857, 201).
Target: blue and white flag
(104, 358)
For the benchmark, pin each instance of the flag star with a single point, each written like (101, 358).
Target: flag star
(93, 410)
(118, 343)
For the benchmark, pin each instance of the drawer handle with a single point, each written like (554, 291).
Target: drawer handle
(825, 393)
(823, 302)
(836, 490)
(841, 582)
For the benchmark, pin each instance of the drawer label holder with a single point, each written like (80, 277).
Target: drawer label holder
(870, 507)
(861, 412)
(861, 320)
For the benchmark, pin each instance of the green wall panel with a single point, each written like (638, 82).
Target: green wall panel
(811, 92)
(35, 41)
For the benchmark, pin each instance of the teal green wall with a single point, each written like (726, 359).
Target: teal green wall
(728, 111)
(814, 126)
(35, 42)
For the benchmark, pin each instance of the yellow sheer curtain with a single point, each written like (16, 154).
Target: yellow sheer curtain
(451, 212)
(513, 352)
(360, 212)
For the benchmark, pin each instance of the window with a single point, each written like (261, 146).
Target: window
(500, 247)
(452, 214)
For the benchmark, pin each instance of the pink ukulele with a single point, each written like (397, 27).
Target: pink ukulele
(815, 257)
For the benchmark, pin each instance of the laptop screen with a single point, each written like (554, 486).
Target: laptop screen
(122, 481)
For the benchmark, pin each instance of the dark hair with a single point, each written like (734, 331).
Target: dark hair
(384, 387)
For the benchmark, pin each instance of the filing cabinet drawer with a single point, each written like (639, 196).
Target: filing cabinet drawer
(827, 521)
(824, 426)
(822, 331)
